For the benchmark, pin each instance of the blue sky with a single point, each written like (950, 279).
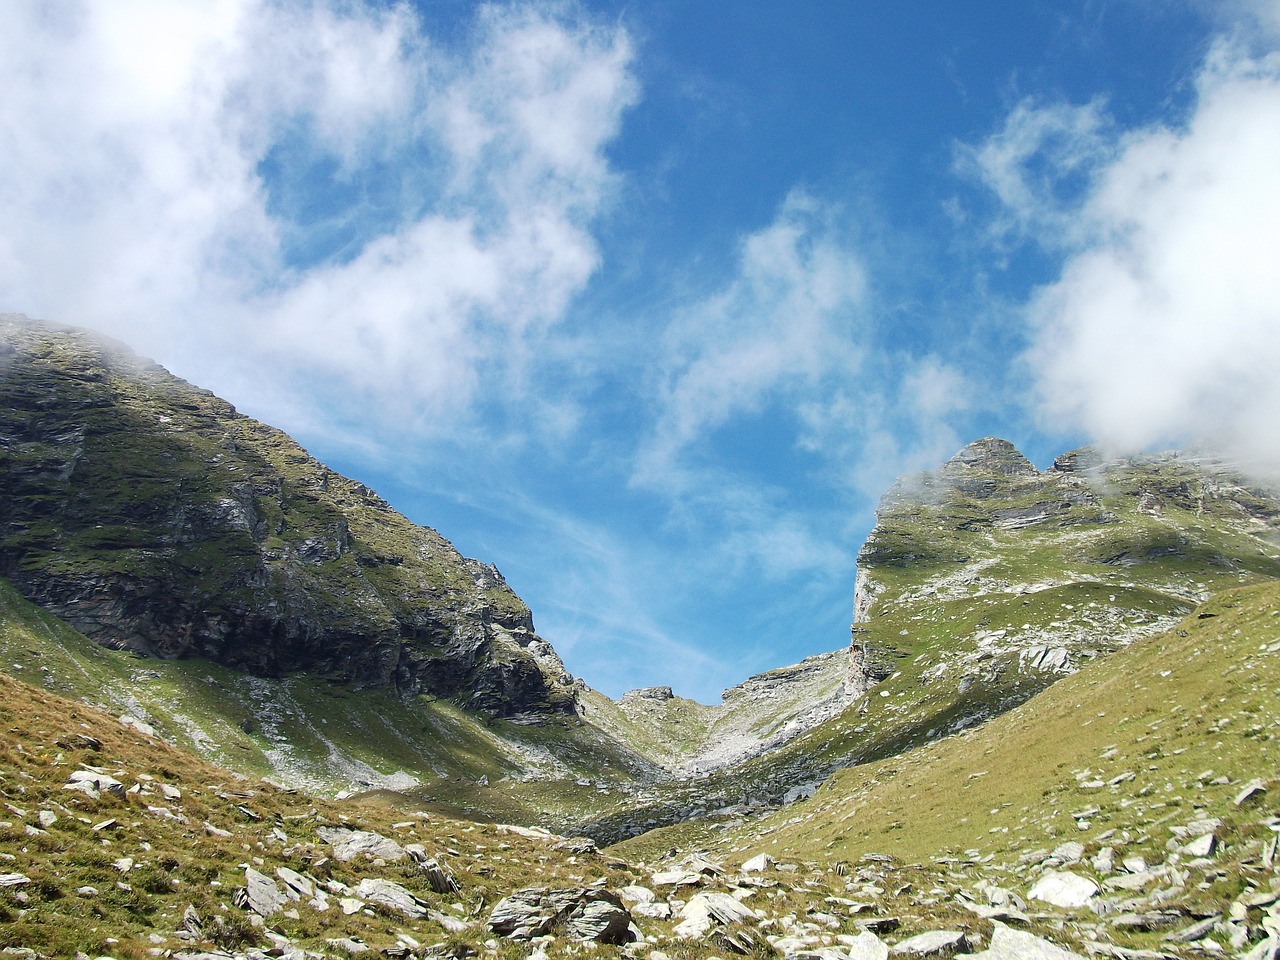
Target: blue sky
(647, 304)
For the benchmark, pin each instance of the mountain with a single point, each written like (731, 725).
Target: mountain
(1053, 731)
(986, 581)
(151, 516)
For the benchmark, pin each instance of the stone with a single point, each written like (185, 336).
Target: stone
(14, 879)
(933, 943)
(1249, 792)
(865, 946)
(676, 878)
(348, 945)
(636, 894)
(448, 923)
(588, 914)
(1202, 846)
(140, 726)
(601, 919)
(392, 896)
(1070, 852)
(1009, 944)
(263, 895)
(349, 844)
(705, 910)
(440, 878)
(1197, 931)
(758, 864)
(1063, 889)
(96, 784)
(296, 882)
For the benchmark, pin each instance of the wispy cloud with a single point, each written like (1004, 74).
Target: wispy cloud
(321, 190)
(1164, 324)
(786, 321)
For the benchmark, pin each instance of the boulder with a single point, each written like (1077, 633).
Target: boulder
(263, 895)
(587, 914)
(934, 943)
(758, 864)
(706, 910)
(349, 844)
(865, 946)
(1010, 944)
(601, 919)
(392, 896)
(1062, 889)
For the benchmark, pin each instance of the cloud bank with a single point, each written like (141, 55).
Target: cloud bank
(318, 189)
(1163, 326)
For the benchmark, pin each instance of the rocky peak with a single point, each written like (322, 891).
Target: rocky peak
(990, 455)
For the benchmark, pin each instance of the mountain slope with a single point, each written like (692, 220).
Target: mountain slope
(151, 516)
(986, 581)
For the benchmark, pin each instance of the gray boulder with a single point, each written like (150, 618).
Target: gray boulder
(589, 915)
(349, 844)
(392, 896)
(934, 943)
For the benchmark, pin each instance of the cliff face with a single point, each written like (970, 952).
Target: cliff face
(150, 515)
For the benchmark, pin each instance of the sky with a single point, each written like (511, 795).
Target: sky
(647, 304)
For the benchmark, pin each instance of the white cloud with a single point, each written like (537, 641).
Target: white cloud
(787, 322)
(154, 158)
(1164, 325)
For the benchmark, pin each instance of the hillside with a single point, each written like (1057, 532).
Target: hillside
(1146, 782)
(985, 582)
(150, 516)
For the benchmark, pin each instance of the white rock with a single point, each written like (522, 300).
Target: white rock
(265, 897)
(758, 864)
(1202, 846)
(141, 726)
(705, 910)
(349, 844)
(866, 946)
(1063, 889)
(1010, 944)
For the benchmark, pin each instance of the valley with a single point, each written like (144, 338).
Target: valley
(1052, 733)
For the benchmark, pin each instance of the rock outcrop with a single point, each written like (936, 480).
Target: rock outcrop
(150, 515)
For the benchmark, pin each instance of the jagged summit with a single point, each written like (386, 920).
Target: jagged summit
(989, 455)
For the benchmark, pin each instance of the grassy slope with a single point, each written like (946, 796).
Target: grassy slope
(177, 861)
(1158, 735)
(300, 730)
(959, 598)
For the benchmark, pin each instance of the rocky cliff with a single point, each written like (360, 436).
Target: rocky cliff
(150, 515)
